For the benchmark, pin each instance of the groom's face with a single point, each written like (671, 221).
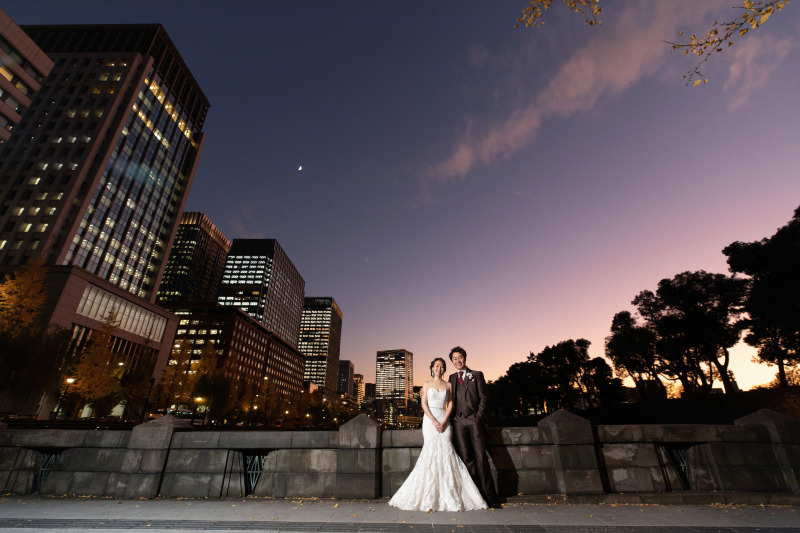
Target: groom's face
(459, 361)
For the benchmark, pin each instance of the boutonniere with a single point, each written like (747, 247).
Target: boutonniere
(468, 375)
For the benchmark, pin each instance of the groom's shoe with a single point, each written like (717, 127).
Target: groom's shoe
(493, 504)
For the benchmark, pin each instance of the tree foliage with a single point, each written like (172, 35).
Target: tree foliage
(773, 301)
(32, 354)
(559, 377)
(720, 36)
(97, 372)
(695, 318)
(179, 378)
(212, 384)
(632, 349)
(22, 297)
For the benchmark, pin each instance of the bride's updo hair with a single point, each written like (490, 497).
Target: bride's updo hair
(434, 362)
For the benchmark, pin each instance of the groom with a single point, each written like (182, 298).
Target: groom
(470, 422)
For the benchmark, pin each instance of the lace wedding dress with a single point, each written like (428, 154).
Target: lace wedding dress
(440, 480)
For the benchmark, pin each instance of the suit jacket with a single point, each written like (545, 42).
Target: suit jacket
(470, 400)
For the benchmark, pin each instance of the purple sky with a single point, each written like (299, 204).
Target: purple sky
(467, 183)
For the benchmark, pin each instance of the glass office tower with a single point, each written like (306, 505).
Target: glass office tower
(23, 69)
(98, 173)
(260, 280)
(196, 262)
(394, 376)
(320, 340)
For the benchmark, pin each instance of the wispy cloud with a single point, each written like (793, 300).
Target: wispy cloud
(619, 54)
(244, 225)
(753, 64)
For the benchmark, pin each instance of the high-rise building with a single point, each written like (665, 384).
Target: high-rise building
(95, 177)
(358, 388)
(260, 280)
(345, 384)
(394, 376)
(196, 262)
(98, 172)
(23, 69)
(250, 352)
(369, 391)
(320, 340)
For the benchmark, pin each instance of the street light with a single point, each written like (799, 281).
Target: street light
(70, 381)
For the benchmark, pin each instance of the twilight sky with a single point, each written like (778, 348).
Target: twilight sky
(467, 183)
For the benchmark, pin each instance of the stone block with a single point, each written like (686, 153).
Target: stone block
(137, 486)
(506, 457)
(528, 482)
(310, 439)
(157, 433)
(321, 461)
(296, 460)
(391, 482)
(196, 440)
(186, 485)
(619, 433)
(318, 485)
(56, 484)
(680, 433)
(277, 461)
(630, 455)
(9, 458)
(357, 486)
(6, 437)
(105, 439)
(347, 461)
(751, 479)
(563, 427)
(89, 484)
(580, 482)
(397, 460)
(213, 461)
(360, 432)
(255, 440)
(632, 480)
(49, 438)
(271, 485)
(577, 457)
(369, 461)
(534, 457)
(514, 436)
(743, 434)
(406, 438)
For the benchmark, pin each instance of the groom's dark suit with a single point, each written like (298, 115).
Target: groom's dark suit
(471, 428)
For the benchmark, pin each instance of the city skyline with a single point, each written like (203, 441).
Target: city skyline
(466, 183)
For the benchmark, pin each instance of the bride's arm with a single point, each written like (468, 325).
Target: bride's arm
(424, 397)
(449, 410)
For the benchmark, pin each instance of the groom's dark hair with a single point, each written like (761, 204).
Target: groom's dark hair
(458, 349)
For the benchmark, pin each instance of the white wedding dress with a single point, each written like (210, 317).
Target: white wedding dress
(439, 481)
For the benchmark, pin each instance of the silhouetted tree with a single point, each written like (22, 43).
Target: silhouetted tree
(773, 265)
(632, 350)
(599, 384)
(696, 319)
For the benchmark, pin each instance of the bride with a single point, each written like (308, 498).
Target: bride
(440, 480)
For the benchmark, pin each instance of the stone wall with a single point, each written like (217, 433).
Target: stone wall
(564, 454)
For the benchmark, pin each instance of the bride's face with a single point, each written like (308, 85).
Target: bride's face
(438, 369)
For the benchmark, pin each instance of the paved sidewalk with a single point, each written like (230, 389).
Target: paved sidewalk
(33, 513)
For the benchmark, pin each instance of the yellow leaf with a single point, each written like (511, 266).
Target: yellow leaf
(765, 16)
(742, 32)
(697, 82)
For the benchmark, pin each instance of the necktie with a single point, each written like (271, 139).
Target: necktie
(461, 378)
